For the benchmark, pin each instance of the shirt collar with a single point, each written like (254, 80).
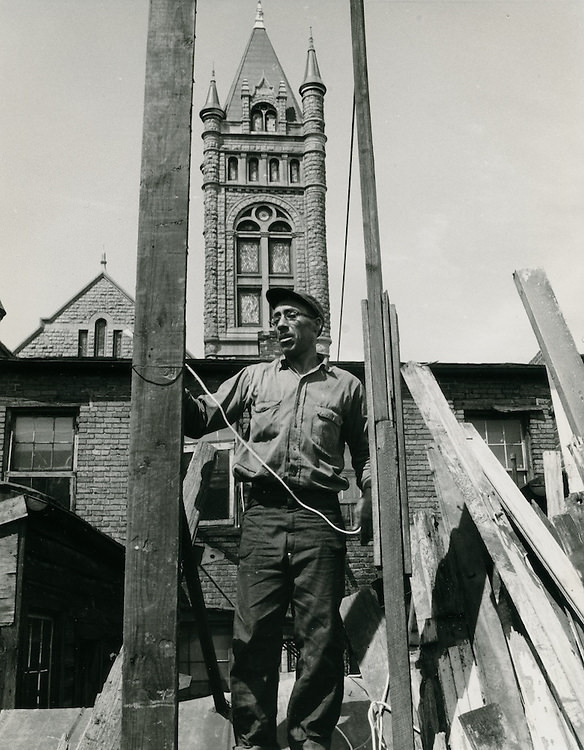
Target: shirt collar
(322, 364)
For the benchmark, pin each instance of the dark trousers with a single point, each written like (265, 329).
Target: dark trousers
(288, 555)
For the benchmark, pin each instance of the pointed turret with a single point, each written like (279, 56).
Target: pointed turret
(312, 72)
(212, 105)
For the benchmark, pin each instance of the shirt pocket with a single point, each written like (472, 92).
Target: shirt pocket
(264, 421)
(326, 431)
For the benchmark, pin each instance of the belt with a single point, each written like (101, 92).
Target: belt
(274, 495)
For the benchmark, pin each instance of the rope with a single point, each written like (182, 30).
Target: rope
(248, 447)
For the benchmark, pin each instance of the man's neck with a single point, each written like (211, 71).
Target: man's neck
(304, 363)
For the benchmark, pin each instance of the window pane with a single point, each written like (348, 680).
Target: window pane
(495, 431)
(42, 456)
(248, 303)
(24, 429)
(217, 504)
(22, 456)
(279, 256)
(63, 429)
(512, 431)
(43, 429)
(248, 256)
(499, 451)
(62, 457)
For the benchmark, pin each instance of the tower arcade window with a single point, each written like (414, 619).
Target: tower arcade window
(294, 170)
(253, 169)
(264, 258)
(232, 168)
(263, 119)
(274, 170)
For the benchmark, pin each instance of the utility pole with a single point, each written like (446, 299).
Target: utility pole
(150, 674)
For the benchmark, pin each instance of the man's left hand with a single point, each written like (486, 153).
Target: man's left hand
(363, 517)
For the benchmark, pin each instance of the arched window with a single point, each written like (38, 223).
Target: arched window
(294, 170)
(99, 338)
(264, 258)
(274, 170)
(232, 169)
(263, 119)
(253, 169)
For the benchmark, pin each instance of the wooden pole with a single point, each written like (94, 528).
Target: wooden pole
(383, 439)
(150, 675)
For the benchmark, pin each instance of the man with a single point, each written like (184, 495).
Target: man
(303, 412)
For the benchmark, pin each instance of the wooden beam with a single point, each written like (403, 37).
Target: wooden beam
(554, 485)
(103, 732)
(539, 539)
(555, 341)
(150, 675)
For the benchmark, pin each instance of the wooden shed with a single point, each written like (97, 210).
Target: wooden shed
(61, 603)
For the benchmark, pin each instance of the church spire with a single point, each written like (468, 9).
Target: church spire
(312, 72)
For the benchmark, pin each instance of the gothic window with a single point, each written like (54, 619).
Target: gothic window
(263, 119)
(232, 168)
(294, 170)
(274, 170)
(264, 258)
(99, 338)
(253, 169)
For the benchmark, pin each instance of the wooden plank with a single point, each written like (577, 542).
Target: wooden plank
(104, 729)
(541, 542)
(371, 436)
(547, 725)
(555, 341)
(485, 728)
(8, 576)
(486, 632)
(150, 675)
(554, 486)
(394, 358)
(365, 628)
(12, 509)
(557, 656)
(573, 473)
(195, 484)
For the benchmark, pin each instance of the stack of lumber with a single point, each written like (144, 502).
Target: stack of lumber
(497, 586)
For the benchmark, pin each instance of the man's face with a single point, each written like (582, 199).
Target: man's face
(296, 327)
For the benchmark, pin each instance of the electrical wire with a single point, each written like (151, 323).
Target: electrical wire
(248, 447)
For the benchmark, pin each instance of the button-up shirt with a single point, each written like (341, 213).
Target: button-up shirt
(299, 424)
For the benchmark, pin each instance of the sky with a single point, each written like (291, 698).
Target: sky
(478, 128)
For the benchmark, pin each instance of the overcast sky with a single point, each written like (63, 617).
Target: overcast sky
(478, 128)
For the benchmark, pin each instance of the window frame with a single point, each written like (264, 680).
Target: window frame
(235, 487)
(16, 476)
(524, 474)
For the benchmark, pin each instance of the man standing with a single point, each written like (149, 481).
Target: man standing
(292, 550)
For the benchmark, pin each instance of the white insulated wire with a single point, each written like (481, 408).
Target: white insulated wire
(262, 462)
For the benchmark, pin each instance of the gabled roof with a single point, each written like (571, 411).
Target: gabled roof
(68, 306)
(259, 62)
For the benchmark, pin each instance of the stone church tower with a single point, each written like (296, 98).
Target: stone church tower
(264, 189)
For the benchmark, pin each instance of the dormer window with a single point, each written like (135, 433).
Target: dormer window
(263, 119)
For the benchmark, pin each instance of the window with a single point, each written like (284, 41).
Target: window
(82, 337)
(263, 119)
(274, 170)
(117, 344)
(42, 453)
(253, 169)
(99, 338)
(36, 675)
(264, 258)
(506, 437)
(294, 170)
(220, 502)
(232, 168)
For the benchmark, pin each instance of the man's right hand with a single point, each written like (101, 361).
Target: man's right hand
(364, 517)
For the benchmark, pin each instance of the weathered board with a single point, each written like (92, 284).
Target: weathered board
(150, 674)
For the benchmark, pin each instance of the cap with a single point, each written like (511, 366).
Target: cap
(276, 295)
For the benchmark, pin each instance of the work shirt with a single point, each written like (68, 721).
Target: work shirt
(299, 424)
